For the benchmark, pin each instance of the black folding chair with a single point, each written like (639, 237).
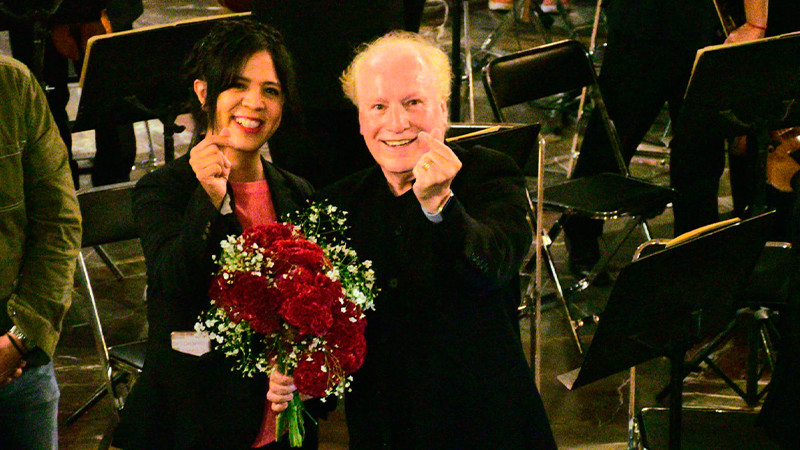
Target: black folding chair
(107, 217)
(552, 69)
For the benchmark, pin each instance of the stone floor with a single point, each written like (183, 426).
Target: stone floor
(595, 416)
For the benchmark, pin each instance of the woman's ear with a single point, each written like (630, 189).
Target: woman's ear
(200, 89)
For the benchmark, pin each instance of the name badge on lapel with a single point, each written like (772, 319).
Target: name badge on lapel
(191, 342)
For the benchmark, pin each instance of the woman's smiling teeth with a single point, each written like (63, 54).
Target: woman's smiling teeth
(399, 143)
(247, 122)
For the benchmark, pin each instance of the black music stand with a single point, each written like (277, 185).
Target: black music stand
(517, 140)
(665, 302)
(135, 75)
(748, 88)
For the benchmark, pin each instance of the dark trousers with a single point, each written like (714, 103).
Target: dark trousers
(637, 78)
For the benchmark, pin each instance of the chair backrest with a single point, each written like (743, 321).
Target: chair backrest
(107, 214)
(537, 73)
(544, 71)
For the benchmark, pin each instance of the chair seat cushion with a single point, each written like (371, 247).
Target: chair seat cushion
(131, 353)
(608, 195)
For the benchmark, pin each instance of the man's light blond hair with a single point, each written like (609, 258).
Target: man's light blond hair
(433, 56)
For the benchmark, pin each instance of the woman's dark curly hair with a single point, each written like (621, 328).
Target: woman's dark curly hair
(220, 57)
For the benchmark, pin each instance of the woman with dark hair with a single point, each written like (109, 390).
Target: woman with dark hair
(241, 77)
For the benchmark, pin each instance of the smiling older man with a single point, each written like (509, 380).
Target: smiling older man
(446, 230)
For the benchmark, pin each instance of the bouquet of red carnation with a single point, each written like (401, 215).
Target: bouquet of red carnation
(291, 297)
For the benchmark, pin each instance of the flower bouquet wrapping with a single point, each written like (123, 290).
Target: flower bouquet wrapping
(291, 297)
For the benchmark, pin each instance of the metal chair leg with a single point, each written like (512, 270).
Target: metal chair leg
(564, 296)
(96, 396)
(551, 268)
(101, 252)
(99, 393)
(468, 63)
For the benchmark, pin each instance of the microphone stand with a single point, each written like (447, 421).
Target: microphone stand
(455, 61)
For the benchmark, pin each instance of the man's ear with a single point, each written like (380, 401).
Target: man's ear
(201, 90)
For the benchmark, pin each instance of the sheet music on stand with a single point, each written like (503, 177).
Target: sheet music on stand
(135, 75)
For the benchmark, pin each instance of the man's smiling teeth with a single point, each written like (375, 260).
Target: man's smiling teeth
(399, 143)
(247, 123)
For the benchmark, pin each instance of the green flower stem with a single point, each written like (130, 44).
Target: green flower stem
(291, 420)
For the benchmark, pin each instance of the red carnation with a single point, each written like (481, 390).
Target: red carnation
(346, 336)
(251, 298)
(307, 300)
(265, 235)
(311, 378)
(348, 312)
(288, 254)
(348, 345)
(218, 291)
(310, 317)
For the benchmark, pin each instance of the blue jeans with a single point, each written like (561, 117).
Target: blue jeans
(29, 410)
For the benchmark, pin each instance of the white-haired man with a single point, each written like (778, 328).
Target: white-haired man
(446, 231)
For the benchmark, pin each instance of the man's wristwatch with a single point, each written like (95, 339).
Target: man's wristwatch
(27, 344)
